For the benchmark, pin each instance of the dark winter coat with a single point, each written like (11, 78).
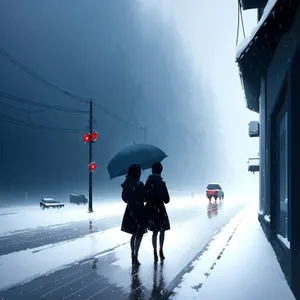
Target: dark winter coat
(134, 217)
(156, 196)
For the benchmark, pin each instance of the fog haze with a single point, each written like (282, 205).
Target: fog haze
(137, 62)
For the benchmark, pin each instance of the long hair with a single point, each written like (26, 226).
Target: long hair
(134, 171)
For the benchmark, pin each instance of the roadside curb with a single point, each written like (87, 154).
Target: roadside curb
(206, 274)
(172, 294)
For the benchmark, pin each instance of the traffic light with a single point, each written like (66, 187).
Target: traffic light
(94, 136)
(90, 137)
(92, 166)
(87, 138)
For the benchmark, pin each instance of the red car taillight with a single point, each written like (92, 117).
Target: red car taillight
(212, 192)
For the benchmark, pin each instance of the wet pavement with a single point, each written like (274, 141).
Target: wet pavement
(39, 237)
(82, 281)
(103, 278)
(109, 275)
(45, 236)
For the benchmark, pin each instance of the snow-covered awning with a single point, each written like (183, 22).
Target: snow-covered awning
(254, 54)
(243, 45)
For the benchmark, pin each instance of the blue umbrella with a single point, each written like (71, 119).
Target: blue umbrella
(143, 154)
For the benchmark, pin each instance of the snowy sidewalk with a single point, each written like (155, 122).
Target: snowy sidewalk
(238, 264)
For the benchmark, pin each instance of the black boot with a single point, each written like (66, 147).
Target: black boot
(161, 255)
(155, 256)
(137, 263)
(134, 259)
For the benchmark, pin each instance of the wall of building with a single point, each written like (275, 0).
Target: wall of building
(294, 167)
(280, 90)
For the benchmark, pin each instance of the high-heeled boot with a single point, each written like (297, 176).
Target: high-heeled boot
(161, 255)
(136, 261)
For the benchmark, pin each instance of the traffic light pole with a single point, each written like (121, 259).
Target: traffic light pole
(91, 159)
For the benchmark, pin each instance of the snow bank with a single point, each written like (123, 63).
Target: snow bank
(247, 269)
(22, 266)
(245, 42)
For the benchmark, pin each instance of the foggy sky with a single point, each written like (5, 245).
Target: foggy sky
(209, 33)
(130, 61)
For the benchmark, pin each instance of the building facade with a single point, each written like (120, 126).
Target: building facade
(269, 65)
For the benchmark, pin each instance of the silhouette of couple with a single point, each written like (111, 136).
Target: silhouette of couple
(145, 209)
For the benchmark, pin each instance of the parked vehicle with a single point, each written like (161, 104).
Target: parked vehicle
(78, 199)
(214, 190)
(50, 202)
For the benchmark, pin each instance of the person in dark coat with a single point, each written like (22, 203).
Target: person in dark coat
(133, 194)
(157, 196)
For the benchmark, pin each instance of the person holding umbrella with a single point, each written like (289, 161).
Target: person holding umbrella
(133, 194)
(157, 196)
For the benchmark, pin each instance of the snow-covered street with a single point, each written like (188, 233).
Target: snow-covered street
(238, 264)
(67, 261)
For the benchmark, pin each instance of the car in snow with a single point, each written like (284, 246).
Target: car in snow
(78, 199)
(50, 202)
(214, 190)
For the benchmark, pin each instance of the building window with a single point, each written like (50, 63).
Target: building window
(282, 174)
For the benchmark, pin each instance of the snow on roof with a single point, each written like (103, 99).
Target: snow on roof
(246, 42)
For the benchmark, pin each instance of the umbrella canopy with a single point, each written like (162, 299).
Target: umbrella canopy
(143, 154)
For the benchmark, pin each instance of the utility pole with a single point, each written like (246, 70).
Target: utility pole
(90, 138)
(91, 159)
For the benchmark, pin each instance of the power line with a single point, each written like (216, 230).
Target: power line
(23, 109)
(37, 126)
(38, 77)
(118, 117)
(49, 106)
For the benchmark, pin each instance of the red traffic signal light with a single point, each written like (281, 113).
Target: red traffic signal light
(92, 166)
(94, 136)
(87, 138)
